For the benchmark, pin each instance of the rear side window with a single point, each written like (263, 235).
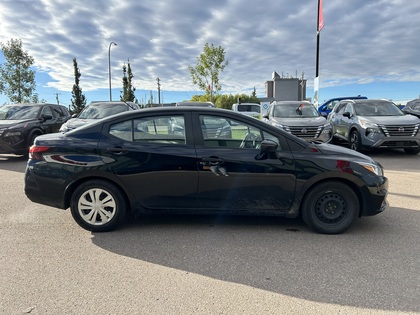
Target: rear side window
(60, 111)
(155, 129)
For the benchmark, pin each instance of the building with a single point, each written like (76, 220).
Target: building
(285, 88)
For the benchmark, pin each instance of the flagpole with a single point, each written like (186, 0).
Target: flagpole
(320, 24)
(317, 41)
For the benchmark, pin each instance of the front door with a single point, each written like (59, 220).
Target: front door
(234, 175)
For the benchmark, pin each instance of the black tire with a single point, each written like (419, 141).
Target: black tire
(31, 139)
(330, 207)
(355, 143)
(30, 142)
(98, 206)
(413, 151)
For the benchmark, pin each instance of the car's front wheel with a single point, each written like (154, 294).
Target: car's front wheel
(330, 207)
(355, 143)
(98, 206)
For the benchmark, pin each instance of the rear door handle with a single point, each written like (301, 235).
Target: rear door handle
(119, 150)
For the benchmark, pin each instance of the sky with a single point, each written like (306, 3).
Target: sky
(366, 47)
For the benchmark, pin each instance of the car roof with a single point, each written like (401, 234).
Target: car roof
(202, 104)
(291, 102)
(342, 98)
(415, 101)
(132, 105)
(247, 103)
(367, 101)
(33, 104)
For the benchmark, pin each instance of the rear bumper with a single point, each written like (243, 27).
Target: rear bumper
(47, 194)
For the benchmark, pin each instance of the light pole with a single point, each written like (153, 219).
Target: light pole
(109, 68)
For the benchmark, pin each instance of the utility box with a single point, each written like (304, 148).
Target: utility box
(286, 88)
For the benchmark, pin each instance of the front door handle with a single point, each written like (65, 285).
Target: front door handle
(211, 161)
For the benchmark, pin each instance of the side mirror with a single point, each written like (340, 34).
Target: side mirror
(347, 114)
(268, 146)
(266, 116)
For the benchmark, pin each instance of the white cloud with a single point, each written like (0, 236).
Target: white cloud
(362, 41)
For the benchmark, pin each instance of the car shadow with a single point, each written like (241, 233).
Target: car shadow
(372, 265)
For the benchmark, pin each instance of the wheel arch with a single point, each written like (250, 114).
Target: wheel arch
(345, 181)
(34, 132)
(353, 128)
(72, 187)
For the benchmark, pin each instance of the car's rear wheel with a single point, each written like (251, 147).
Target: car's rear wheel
(98, 206)
(412, 150)
(355, 143)
(330, 207)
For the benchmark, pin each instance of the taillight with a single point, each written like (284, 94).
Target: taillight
(35, 152)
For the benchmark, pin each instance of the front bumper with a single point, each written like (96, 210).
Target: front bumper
(375, 198)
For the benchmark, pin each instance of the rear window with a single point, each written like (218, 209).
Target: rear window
(249, 108)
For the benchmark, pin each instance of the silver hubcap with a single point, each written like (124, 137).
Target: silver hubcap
(96, 206)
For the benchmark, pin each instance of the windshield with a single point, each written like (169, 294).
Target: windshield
(414, 106)
(18, 112)
(379, 108)
(295, 110)
(99, 111)
(249, 108)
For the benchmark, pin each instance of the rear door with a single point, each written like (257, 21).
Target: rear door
(153, 161)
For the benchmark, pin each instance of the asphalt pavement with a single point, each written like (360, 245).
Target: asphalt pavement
(210, 264)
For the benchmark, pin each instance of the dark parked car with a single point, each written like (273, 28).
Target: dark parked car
(412, 108)
(325, 108)
(133, 163)
(300, 118)
(372, 124)
(98, 110)
(21, 123)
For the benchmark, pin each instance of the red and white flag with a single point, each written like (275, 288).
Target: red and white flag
(320, 16)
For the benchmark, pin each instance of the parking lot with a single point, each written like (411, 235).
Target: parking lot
(210, 264)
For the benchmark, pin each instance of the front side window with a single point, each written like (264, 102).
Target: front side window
(47, 111)
(224, 132)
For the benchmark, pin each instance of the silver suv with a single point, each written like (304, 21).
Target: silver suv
(299, 118)
(371, 124)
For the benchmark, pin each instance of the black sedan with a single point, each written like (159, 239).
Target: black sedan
(136, 163)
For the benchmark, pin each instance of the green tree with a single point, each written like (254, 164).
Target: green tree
(78, 101)
(226, 100)
(254, 92)
(206, 73)
(127, 94)
(17, 79)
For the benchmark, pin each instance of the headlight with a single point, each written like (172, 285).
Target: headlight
(374, 168)
(366, 124)
(12, 134)
(326, 128)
